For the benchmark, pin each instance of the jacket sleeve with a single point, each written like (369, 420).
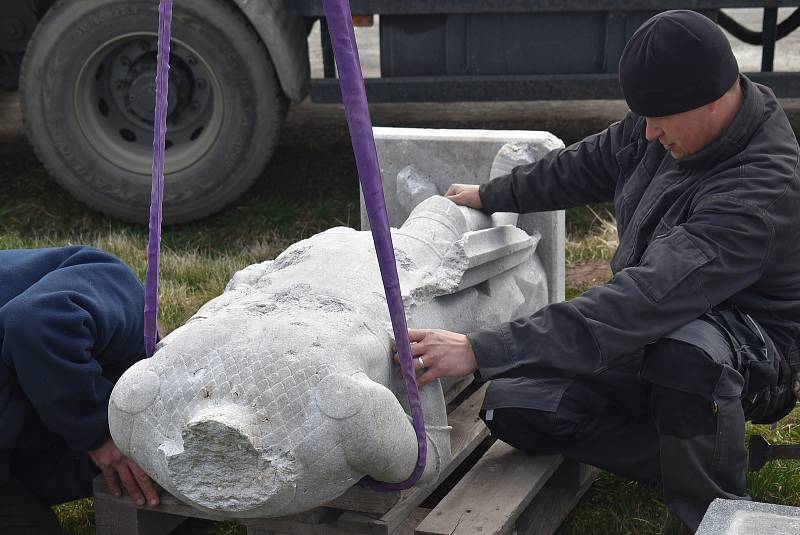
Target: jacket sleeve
(58, 334)
(721, 249)
(583, 173)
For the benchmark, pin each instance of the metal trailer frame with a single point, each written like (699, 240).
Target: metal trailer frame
(599, 86)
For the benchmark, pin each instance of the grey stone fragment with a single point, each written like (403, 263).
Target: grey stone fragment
(735, 517)
(413, 187)
(281, 393)
(509, 156)
(450, 156)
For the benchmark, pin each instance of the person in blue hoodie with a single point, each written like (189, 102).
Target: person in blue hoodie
(71, 323)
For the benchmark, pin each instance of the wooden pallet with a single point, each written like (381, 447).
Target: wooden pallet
(505, 491)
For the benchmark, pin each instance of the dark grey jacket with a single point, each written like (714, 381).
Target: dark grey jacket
(720, 226)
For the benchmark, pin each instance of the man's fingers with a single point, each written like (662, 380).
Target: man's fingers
(145, 483)
(129, 483)
(418, 349)
(416, 335)
(428, 377)
(421, 363)
(110, 477)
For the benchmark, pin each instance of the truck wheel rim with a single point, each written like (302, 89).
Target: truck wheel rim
(115, 99)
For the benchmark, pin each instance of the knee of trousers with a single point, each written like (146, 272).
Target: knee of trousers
(688, 368)
(692, 392)
(530, 430)
(692, 396)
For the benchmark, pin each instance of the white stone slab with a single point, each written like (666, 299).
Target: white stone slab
(736, 517)
(432, 159)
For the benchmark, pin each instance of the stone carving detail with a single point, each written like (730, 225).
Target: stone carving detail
(280, 394)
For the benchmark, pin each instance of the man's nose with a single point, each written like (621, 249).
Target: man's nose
(652, 131)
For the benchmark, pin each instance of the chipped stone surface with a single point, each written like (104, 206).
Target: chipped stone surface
(735, 517)
(280, 394)
(413, 187)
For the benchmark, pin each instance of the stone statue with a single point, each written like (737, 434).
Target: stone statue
(281, 393)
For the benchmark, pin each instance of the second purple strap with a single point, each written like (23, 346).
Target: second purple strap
(354, 96)
(157, 191)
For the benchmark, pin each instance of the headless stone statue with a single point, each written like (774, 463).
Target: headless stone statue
(281, 393)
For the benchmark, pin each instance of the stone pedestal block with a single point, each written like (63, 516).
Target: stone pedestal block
(429, 160)
(734, 517)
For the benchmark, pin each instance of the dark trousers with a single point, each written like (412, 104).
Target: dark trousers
(24, 513)
(42, 472)
(675, 415)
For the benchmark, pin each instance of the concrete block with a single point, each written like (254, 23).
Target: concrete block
(736, 517)
(429, 160)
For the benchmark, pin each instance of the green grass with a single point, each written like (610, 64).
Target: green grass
(591, 234)
(199, 258)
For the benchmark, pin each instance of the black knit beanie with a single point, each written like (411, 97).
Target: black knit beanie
(676, 61)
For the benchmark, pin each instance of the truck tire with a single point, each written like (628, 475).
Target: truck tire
(87, 91)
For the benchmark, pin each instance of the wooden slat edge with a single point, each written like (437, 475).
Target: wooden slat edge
(553, 504)
(491, 496)
(364, 500)
(468, 432)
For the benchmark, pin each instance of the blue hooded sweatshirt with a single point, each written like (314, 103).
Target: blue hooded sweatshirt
(71, 322)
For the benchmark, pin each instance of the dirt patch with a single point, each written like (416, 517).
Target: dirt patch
(585, 274)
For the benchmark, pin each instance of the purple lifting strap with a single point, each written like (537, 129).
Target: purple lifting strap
(157, 191)
(354, 96)
(360, 124)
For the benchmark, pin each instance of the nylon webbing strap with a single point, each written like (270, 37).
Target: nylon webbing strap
(354, 96)
(360, 126)
(157, 190)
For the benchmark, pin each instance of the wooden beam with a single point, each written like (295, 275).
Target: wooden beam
(492, 495)
(364, 500)
(468, 432)
(554, 502)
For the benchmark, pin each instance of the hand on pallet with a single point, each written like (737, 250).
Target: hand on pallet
(116, 467)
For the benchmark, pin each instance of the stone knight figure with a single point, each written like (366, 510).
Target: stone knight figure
(281, 393)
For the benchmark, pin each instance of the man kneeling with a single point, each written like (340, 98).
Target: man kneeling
(653, 374)
(71, 322)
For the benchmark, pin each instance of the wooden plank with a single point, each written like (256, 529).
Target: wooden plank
(553, 503)
(350, 520)
(468, 428)
(412, 521)
(492, 495)
(363, 500)
(113, 517)
(121, 516)
(468, 432)
(457, 387)
(282, 526)
(169, 503)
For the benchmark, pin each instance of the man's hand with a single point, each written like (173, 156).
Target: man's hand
(114, 464)
(465, 195)
(443, 354)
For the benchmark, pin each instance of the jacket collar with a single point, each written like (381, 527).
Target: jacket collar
(738, 134)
